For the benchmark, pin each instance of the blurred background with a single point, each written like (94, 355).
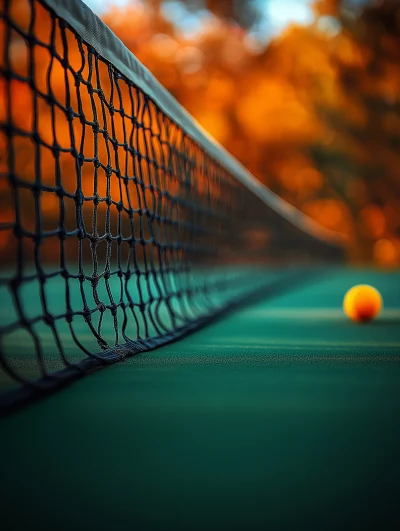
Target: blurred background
(306, 94)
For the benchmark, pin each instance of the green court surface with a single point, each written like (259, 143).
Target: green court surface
(283, 415)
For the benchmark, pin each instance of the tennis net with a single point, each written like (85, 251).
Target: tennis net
(123, 225)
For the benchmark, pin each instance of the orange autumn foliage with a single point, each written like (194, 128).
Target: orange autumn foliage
(315, 115)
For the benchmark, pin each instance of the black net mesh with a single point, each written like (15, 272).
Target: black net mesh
(118, 231)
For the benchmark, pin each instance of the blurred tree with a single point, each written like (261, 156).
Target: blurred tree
(327, 7)
(315, 115)
(362, 163)
(243, 12)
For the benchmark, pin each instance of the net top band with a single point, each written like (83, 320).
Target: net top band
(99, 36)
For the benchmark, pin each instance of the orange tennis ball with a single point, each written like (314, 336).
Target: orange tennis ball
(362, 303)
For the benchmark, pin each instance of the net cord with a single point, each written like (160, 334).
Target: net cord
(99, 36)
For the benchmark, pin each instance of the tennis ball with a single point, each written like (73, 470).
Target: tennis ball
(362, 303)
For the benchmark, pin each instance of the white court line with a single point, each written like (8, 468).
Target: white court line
(278, 343)
(315, 313)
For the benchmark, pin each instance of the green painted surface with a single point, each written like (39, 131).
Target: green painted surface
(20, 349)
(282, 416)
